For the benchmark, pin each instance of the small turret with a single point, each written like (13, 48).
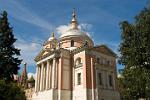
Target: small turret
(24, 76)
(74, 22)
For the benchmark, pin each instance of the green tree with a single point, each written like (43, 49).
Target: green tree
(31, 81)
(11, 91)
(135, 55)
(9, 61)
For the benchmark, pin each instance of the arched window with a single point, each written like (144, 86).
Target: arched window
(72, 43)
(78, 62)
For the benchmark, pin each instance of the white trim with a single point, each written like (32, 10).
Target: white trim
(49, 57)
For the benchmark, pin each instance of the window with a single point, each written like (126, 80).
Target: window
(100, 78)
(110, 80)
(72, 43)
(78, 62)
(108, 62)
(79, 78)
(104, 61)
(98, 60)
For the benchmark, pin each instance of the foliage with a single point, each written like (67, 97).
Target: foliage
(32, 81)
(9, 61)
(135, 55)
(10, 91)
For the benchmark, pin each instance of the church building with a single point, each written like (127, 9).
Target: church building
(71, 67)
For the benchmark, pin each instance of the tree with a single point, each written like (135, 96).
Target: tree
(11, 91)
(9, 61)
(31, 81)
(135, 55)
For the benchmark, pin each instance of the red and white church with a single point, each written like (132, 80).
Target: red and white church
(71, 67)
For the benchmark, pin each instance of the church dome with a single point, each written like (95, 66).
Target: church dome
(52, 37)
(74, 34)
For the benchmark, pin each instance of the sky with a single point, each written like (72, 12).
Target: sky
(34, 20)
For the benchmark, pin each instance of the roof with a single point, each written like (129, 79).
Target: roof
(73, 32)
(105, 50)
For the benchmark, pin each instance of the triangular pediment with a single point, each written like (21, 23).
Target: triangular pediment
(105, 50)
(43, 54)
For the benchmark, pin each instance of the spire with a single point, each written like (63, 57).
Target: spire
(52, 34)
(74, 22)
(24, 75)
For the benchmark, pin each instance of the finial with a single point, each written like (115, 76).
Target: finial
(25, 63)
(74, 12)
(74, 23)
(53, 34)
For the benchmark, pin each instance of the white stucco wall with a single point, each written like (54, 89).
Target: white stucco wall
(79, 94)
(46, 95)
(108, 95)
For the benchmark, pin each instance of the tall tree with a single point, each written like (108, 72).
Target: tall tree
(9, 61)
(135, 55)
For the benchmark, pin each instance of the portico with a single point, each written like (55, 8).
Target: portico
(46, 74)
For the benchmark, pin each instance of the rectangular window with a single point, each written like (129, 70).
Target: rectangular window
(110, 80)
(72, 43)
(79, 78)
(98, 60)
(100, 78)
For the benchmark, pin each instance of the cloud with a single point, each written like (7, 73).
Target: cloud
(83, 27)
(62, 29)
(19, 12)
(28, 50)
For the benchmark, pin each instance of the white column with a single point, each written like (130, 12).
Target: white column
(44, 68)
(56, 71)
(47, 74)
(36, 81)
(41, 79)
(53, 72)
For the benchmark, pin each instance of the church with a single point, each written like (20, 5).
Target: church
(71, 67)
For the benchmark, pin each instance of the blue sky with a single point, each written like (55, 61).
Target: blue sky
(34, 20)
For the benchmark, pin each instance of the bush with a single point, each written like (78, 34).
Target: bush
(10, 91)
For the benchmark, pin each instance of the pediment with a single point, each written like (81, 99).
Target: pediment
(105, 50)
(42, 54)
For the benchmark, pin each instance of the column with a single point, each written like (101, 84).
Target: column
(56, 73)
(45, 68)
(44, 75)
(36, 81)
(53, 72)
(50, 76)
(47, 74)
(41, 77)
(93, 79)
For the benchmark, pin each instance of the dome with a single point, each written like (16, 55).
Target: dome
(73, 32)
(52, 37)
(74, 37)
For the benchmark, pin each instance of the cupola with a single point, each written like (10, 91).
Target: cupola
(74, 37)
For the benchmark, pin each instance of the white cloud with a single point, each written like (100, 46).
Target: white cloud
(83, 26)
(19, 12)
(62, 29)
(28, 51)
